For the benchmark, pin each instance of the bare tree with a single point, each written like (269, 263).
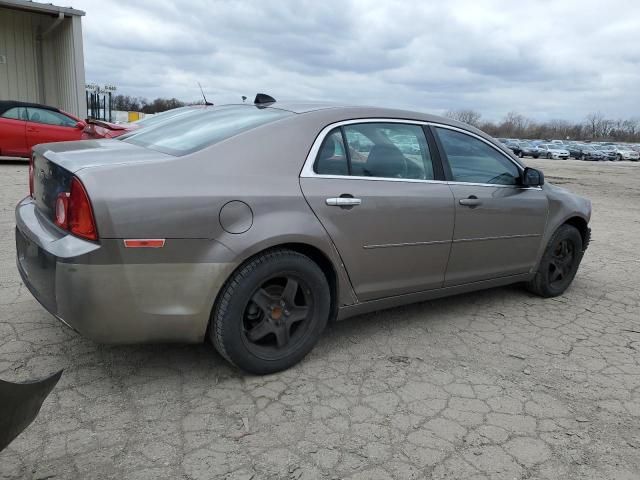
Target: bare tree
(594, 123)
(470, 117)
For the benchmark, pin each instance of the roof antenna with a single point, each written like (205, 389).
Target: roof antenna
(205, 98)
(263, 99)
(244, 99)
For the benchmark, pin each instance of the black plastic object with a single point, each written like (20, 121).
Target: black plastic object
(20, 404)
(263, 98)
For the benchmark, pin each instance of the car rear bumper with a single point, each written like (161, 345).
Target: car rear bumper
(113, 302)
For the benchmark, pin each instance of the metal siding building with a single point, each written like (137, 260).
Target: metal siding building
(41, 57)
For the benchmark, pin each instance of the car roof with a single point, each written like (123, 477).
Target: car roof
(329, 113)
(9, 104)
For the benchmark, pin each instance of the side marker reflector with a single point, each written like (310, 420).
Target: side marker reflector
(144, 243)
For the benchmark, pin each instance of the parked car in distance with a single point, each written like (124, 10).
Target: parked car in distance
(528, 149)
(514, 146)
(553, 150)
(608, 152)
(255, 225)
(574, 149)
(626, 153)
(23, 125)
(589, 152)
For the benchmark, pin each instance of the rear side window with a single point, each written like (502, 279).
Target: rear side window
(389, 150)
(384, 150)
(186, 134)
(471, 160)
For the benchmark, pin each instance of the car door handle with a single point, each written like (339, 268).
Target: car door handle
(472, 201)
(343, 202)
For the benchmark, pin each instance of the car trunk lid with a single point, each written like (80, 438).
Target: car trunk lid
(54, 165)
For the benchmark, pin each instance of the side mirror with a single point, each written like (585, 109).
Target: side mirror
(532, 177)
(81, 124)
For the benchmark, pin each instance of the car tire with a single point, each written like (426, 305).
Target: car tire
(252, 324)
(582, 157)
(548, 156)
(520, 154)
(559, 263)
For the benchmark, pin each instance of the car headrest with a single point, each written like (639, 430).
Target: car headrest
(385, 161)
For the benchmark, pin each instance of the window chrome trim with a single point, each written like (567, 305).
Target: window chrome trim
(308, 172)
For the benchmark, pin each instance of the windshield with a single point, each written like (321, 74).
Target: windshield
(184, 134)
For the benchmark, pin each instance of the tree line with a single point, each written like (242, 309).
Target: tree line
(128, 103)
(515, 125)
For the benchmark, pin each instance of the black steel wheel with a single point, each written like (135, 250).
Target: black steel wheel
(277, 316)
(559, 263)
(271, 312)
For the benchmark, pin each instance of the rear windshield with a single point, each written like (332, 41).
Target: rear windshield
(186, 134)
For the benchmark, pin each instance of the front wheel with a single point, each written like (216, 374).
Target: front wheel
(271, 312)
(559, 263)
(549, 156)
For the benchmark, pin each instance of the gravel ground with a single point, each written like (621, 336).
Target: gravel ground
(495, 384)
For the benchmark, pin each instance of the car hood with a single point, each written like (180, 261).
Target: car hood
(78, 155)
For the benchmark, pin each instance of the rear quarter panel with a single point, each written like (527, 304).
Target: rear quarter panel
(181, 197)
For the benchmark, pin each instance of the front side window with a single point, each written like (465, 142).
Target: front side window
(49, 117)
(473, 161)
(385, 150)
(184, 134)
(16, 113)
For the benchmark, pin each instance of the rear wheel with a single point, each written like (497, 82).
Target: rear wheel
(271, 312)
(559, 263)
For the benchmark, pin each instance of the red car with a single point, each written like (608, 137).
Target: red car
(23, 125)
(104, 129)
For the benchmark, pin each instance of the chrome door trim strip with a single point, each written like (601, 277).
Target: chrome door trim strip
(408, 244)
(503, 237)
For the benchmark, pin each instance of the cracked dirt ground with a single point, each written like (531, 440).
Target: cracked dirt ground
(496, 384)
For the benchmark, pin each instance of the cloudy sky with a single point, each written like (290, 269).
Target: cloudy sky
(546, 59)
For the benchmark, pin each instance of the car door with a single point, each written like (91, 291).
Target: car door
(381, 196)
(44, 126)
(13, 136)
(499, 224)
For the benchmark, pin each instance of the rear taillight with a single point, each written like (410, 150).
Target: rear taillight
(31, 173)
(73, 212)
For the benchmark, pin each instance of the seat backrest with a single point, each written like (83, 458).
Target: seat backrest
(385, 161)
